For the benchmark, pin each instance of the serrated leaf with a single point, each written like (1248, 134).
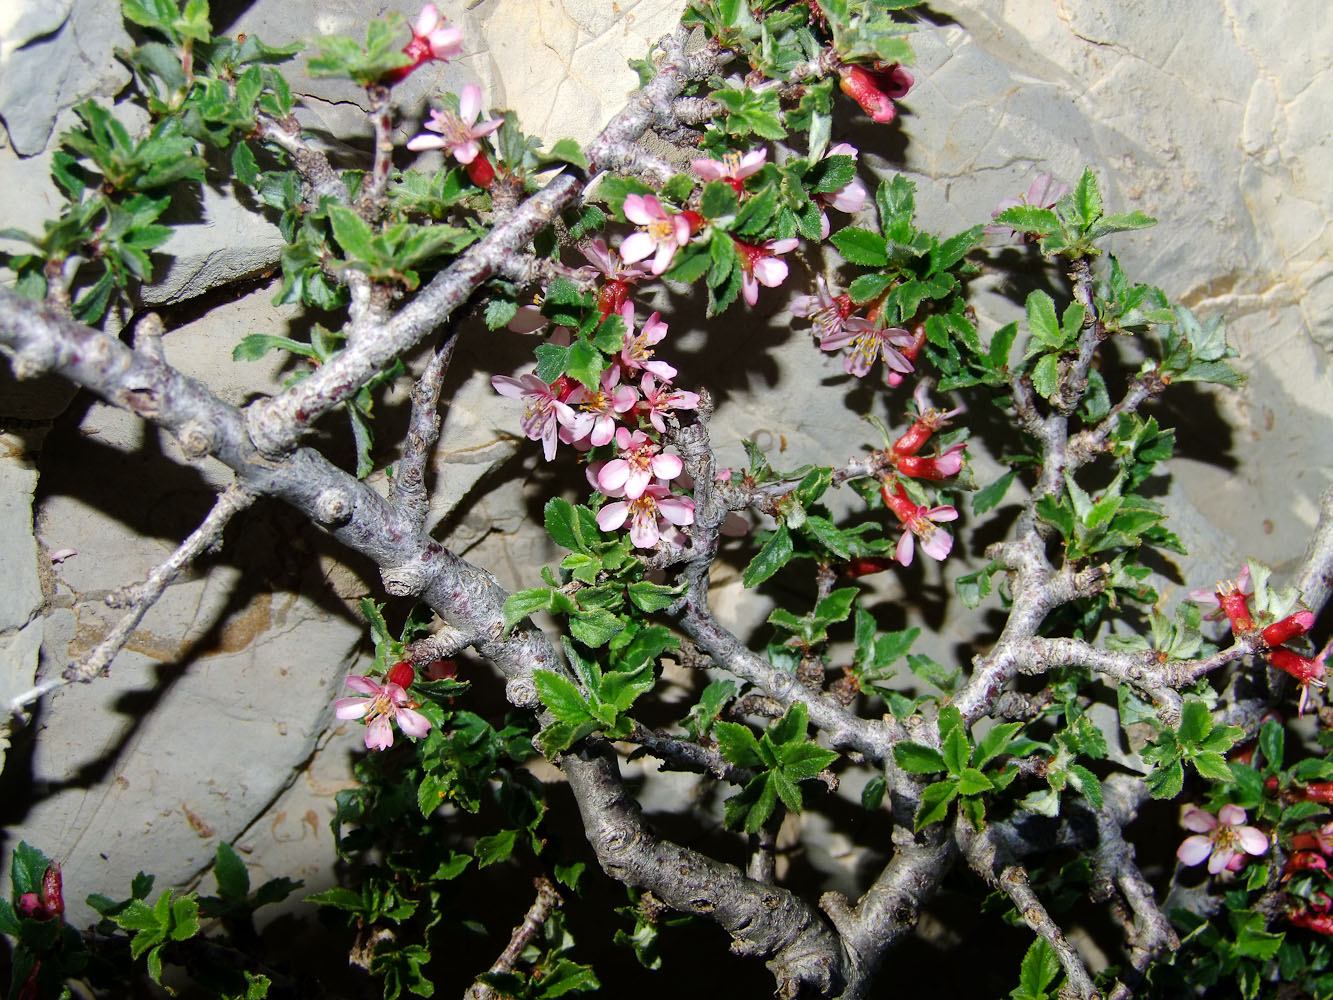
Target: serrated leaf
(1212, 766)
(973, 782)
(935, 801)
(497, 847)
(1196, 721)
(860, 246)
(738, 744)
(989, 497)
(917, 758)
(774, 554)
(1046, 376)
(560, 695)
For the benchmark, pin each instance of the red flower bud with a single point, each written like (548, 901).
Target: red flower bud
(1289, 628)
(875, 91)
(1301, 667)
(1320, 923)
(864, 566)
(917, 435)
(30, 905)
(611, 296)
(898, 501)
(1315, 791)
(402, 674)
(481, 171)
(1303, 861)
(1237, 608)
(52, 898)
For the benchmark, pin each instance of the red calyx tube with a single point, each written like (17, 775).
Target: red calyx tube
(402, 674)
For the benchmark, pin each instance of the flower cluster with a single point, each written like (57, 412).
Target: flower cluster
(1232, 598)
(623, 420)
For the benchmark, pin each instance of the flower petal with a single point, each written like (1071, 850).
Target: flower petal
(636, 247)
(1252, 839)
(412, 723)
(613, 515)
(469, 103)
(351, 708)
(1193, 850)
(1198, 821)
(1231, 815)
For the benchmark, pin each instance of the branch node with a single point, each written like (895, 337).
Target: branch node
(197, 440)
(333, 507)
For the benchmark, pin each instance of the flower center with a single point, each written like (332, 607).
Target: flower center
(451, 127)
(662, 230)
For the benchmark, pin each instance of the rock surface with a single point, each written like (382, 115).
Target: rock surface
(1209, 116)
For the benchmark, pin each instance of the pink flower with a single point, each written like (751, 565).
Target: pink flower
(760, 266)
(596, 419)
(543, 410)
(663, 235)
(608, 262)
(732, 168)
(637, 354)
(919, 522)
(386, 701)
(641, 460)
(651, 513)
(430, 40)
(658, 402)
(831, 314)
(458, 132)
(868, 343)
(1221, 839)
(849, 198)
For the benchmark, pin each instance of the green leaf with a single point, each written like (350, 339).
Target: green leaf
(567, 151)
(995, 742)
(352, 234)
(869, 286)
(560, 695)
(718, 200)
(917, 758)
(956, 749)
(1001, 343)
(27, 868)
(1086, 782)
(1027, 219)
(1038, 971)
(774, 554)
(860, 246)
(1088, 197)
(653, 596)
(561, 524)
(1212, 766)
(1196, 721)
(1166, 782)
(738, 744)
(1046, 376)
(935, 801)
(973, 782)
(791, 727)
(594, 627)
(872, 795)
(522, 603)
(230, 871)
(1042, 322)
(989, 497)
(802, 761)
(1271, 739)
(497, 847)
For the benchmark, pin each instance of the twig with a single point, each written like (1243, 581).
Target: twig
(408, 495)
(139, 598)
(984, 858)
(310, 163)
(548, 899)
(686, 755)
(372, 201)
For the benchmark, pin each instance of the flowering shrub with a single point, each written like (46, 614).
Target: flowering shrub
(1087, 702)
